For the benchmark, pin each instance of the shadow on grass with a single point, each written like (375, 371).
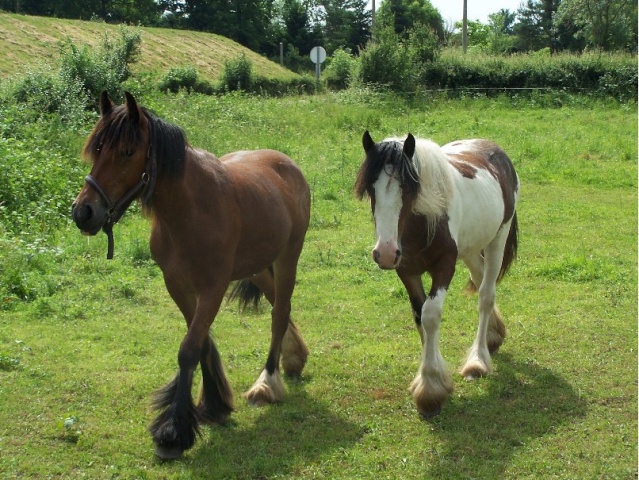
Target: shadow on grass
(521, 402)
(284, 439)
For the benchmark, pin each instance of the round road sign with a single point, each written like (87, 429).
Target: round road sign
(318, 54)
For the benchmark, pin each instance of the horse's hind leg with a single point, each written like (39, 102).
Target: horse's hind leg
(478, 361)
(294, 350)
(496, 329)
(268, 388)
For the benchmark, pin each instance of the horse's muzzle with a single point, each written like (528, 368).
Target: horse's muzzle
(88, 218)
(386, 260)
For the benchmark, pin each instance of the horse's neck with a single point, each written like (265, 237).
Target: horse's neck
(202, 178)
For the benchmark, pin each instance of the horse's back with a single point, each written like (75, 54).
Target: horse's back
(469, 155)
(271, 177)
(273, 198)
(487, 191)
(264, 166)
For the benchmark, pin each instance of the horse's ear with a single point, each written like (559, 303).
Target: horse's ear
(132, 107)
(105, 103)
(367, 141)
(409, 146)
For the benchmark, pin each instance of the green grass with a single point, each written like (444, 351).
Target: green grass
(81, 356)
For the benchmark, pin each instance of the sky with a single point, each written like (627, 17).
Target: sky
(477, 9)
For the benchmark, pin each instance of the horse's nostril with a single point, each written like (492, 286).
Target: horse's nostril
(376, 256)
(82, 214)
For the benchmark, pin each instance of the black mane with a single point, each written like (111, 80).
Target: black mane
(387, 155)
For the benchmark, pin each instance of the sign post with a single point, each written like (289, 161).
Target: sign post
(318, 55)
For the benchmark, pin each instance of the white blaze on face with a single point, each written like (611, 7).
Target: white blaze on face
(388, 204)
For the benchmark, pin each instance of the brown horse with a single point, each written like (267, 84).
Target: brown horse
(241, 217)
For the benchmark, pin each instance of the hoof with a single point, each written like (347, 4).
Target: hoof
(293, 375)
(493, 349)
(205, 417)
(472, 376)
(474, 373)
(169, 453)
(260, 397)
(431, 413)
(266, 389)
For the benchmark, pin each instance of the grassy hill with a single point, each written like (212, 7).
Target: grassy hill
(27, 41)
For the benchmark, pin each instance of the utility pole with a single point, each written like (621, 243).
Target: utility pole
(373, 21)
(465, 27)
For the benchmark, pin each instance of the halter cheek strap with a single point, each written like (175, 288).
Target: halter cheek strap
(117, 209)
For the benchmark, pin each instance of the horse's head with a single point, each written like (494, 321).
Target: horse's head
(118, 149)
(390, 178)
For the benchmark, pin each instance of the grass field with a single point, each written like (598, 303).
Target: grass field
(80, 359)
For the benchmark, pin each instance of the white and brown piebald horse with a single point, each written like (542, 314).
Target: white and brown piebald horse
(432, 206)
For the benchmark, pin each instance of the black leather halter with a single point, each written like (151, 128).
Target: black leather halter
(117, 209)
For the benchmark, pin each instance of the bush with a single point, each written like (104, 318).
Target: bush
(304, 84)
(340, 70)
(185, 78)
(396, 63)
(103, 68)
(83, 74)
(37, 184)
(44, 92)
(423, 45)
(386, 62)
(237, 75)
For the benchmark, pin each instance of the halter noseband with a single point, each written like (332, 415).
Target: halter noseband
(117, 209)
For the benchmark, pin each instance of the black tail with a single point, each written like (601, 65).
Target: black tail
(247, 294)
(510, 250)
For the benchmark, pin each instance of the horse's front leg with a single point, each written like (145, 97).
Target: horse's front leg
(433, 384)
(416, 295)
(175, 429)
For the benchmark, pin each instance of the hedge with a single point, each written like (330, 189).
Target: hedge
(600, 74)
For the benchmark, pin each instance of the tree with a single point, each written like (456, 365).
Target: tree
(402, 15)
(501, 38)
(346, 24)
(245, 21)
(604, 24)
(502, 22)
(534, 30)
(113, 11)
(301, 33)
